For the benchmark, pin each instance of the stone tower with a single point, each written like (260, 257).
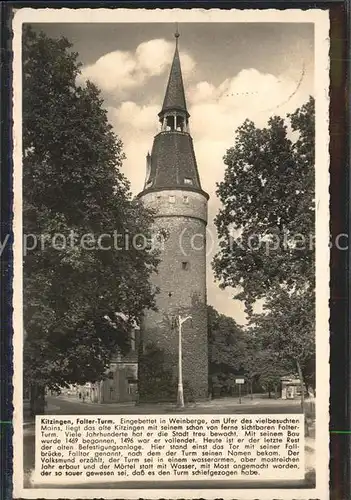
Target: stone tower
(173, 190)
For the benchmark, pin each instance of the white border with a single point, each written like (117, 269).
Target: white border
(320, 19)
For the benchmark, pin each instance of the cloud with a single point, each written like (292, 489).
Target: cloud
(187, 62)
(250, 94)
(134, 117)
(153, 56)
(201, 92)
(119, 71)
(216, 112)
(112, 70)
(136, 125)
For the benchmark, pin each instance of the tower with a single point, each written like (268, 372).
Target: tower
(173, 190)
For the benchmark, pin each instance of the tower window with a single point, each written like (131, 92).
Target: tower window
(180, 123)
(188, 181)
(185, 265)
(172, 199)
(170, 123)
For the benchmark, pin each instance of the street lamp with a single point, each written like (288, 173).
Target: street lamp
(180, 395)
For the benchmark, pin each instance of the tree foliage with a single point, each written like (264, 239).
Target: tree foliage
(245, 352)
(74, 193)
(266, 230)
(227, 349)
(266, 224)
(287, 329)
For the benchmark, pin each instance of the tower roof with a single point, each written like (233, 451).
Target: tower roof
(175, 95)
(172, 163)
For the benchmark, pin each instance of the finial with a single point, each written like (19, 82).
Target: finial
(176, 34)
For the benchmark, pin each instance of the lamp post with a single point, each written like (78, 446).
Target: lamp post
(180, 395)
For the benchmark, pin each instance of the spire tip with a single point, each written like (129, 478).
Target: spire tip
(176, 34)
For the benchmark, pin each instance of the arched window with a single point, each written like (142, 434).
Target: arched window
(180, 123)
(170, 123)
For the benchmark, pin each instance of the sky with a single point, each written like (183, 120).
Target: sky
(231, 71)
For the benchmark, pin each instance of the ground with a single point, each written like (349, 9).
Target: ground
(70, 405)
(258, 405)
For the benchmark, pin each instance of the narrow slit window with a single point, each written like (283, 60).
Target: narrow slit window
(186, 199)
(132, 341)
(185, 265)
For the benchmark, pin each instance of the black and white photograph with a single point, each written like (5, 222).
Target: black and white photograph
(171, 265)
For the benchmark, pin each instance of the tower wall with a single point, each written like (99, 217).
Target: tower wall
(181, 279)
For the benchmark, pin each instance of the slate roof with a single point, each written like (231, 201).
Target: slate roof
(175, 95)
(172, 163)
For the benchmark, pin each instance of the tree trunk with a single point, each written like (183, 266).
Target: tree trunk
(100, 391)
(251, 393)
(275, 392)
(302, 387)
(269, 394)
(37, 400)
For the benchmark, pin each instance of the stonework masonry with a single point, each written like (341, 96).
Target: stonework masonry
(177, 202)
(181, 280)
(173, 191)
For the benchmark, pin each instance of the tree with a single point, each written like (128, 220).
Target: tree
(271, 372)
(261, 364)
(227, 347)
(266, 229)
(81, 264)
(252, 359)
(287, 328)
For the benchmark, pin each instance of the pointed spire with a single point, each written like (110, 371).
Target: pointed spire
(175, 96)
(172, 163)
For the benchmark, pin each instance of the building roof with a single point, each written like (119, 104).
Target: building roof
(175, 95)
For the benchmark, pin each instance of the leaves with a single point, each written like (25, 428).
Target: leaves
(77, 213)
(266, 230)
(266, 224)
(227, 345)
(287, 327)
